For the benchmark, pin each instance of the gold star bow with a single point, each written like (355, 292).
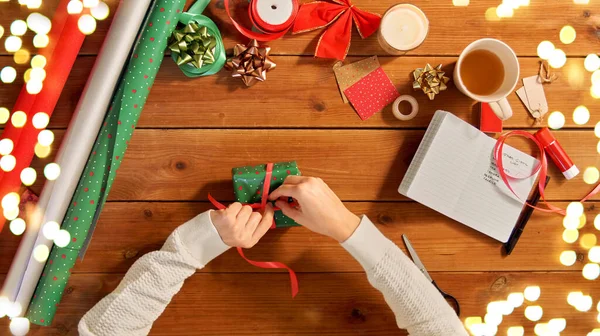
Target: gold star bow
(430, 80)
(250, 62)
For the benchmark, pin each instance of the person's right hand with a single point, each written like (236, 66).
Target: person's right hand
(319, 209)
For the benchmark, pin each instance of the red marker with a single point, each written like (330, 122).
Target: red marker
(557, 153)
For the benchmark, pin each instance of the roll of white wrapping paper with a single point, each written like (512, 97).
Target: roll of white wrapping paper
(75, 149)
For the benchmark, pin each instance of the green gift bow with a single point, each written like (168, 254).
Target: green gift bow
(192, 46)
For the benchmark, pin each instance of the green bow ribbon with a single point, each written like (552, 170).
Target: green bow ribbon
(197, 48)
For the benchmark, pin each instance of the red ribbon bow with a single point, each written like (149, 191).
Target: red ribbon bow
(261, 207)
(337, 17)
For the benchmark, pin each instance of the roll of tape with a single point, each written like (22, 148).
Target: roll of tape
(414, 108)
(272, 16)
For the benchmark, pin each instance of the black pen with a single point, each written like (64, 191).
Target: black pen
(523, 219)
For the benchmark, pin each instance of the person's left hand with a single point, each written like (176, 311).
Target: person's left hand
(239, 226)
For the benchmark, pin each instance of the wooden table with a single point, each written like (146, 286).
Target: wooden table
(193, 131)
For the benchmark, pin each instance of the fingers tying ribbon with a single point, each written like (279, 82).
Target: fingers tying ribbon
(261, 207)
(197, 48)
(337, 17)
(271, 18)
(542, 168)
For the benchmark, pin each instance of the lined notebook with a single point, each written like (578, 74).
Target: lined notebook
(453, 172)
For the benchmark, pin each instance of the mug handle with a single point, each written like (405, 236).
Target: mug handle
(502, 109)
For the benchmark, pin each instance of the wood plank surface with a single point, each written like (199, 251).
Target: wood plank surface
(328, 304)
(359, 165)
(302, 92)
(127, 231)
(451, 28)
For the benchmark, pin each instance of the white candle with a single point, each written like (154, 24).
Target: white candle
(403, 28)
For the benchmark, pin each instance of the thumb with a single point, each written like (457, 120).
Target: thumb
(288, 210)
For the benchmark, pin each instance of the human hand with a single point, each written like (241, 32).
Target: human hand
(319, 210)
(239, 226)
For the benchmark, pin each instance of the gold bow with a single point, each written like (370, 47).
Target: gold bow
(431, 80)
(250, 62)
(193, 44)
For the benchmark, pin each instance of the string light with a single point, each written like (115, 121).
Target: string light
(504, 11)
(570, 236)
(8, 74)
(50, 230)
(39, 23)
(12, 44)
(34, 86)
(568, 258)
(532, 293)
(516, 331)
(575, 209)
(516, 299)
(90, 3)
(591, 175)
(594, 254)
(21, 56)
(4, 115)
(46, 137)
(588, 241)
(591, 271)
(11, 213)
(17, 226)
(62, 238)
(584, 303)
(34, 4)
(41, 151)
(19, 326)
(41, 41)
(38, 61)
(557, 324)
(557, 59)
(40, 253)
(573, 298)
(6, 146)
(591, 62)
(567, 34)
(51, 171)
(534, 313)
(28, 176)
(581, 115)
(545, 49)
(74, 7)
(18, 119)
(18, 28)
(86, 24)
(40, 120)
(7, 163)
(101, 10)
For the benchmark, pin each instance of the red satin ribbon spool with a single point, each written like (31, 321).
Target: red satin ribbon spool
(268, 32)
(261, 206)
(542, 168)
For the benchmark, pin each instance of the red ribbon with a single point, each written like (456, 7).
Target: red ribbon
(542, 168)
(267, 32)
(261, 207)
(337, 17)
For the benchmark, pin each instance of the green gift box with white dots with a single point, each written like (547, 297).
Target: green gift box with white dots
(248, 184)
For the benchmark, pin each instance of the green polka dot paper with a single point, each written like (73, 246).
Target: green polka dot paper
(248, 184)
(107, 154)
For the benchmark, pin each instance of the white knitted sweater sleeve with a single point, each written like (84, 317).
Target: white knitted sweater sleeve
(417, 304)
(153, 280)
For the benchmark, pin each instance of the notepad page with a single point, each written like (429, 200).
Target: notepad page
(457, 177)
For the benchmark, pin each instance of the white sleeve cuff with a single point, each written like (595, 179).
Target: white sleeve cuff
(367, 244)
(201, 239)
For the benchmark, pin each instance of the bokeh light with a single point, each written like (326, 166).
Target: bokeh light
(534, 313)
(18, 119)
(62, 238)
(541, 329)
(74, 7)
(90, 3)
(556, 120)
(6, 146)
(4, 115)
(50, 230)
(557, 325)
(588, 240)
(591, 175)
(21, 56)
(597, 222)
(11, 213)
(581, 115)
(7, 163)
(41, 41)
(1, 34)
(573, 298)
(584, 303)
(37, 74)
(570, 236)
(597, 130)
(46, 137)
(101, 10)
(595, 91)
(567, 34)
(470, 321)
(545, 49)
(28, 176)
(557, 59)
(575, 209)
(490, 14)
(568, 258)
(504, 11)
(591, 62)
(515, 331)
(532, 293)
(591, 271)
(18, 28)
(34, 4)
(12, 44)
(19, 326)
(14, 309)
(41, 151)
(39, 23)
(52, 171)
(493, 319)
(38, 61)
(17, 226)
(34, 86)
(40, 120)
(8, 74)
(516, 299)
(10, 200)
(86, 24)
(596, 77)
(594, 255)
(40, 253)
(570, 222)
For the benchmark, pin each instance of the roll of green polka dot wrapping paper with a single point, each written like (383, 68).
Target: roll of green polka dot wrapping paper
(107, 154)
(248, 184)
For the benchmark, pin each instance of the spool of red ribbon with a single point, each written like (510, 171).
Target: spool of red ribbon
(271, 18)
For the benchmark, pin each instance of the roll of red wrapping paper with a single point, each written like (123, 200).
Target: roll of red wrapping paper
(273, 18)
(68, 43)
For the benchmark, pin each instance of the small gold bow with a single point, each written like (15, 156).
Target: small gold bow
(193, 44)
(430, 80)
(250, 62)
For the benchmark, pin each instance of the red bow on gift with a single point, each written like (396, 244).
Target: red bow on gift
(335, 41)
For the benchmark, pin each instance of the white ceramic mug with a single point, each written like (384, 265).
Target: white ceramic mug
(497, 100)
